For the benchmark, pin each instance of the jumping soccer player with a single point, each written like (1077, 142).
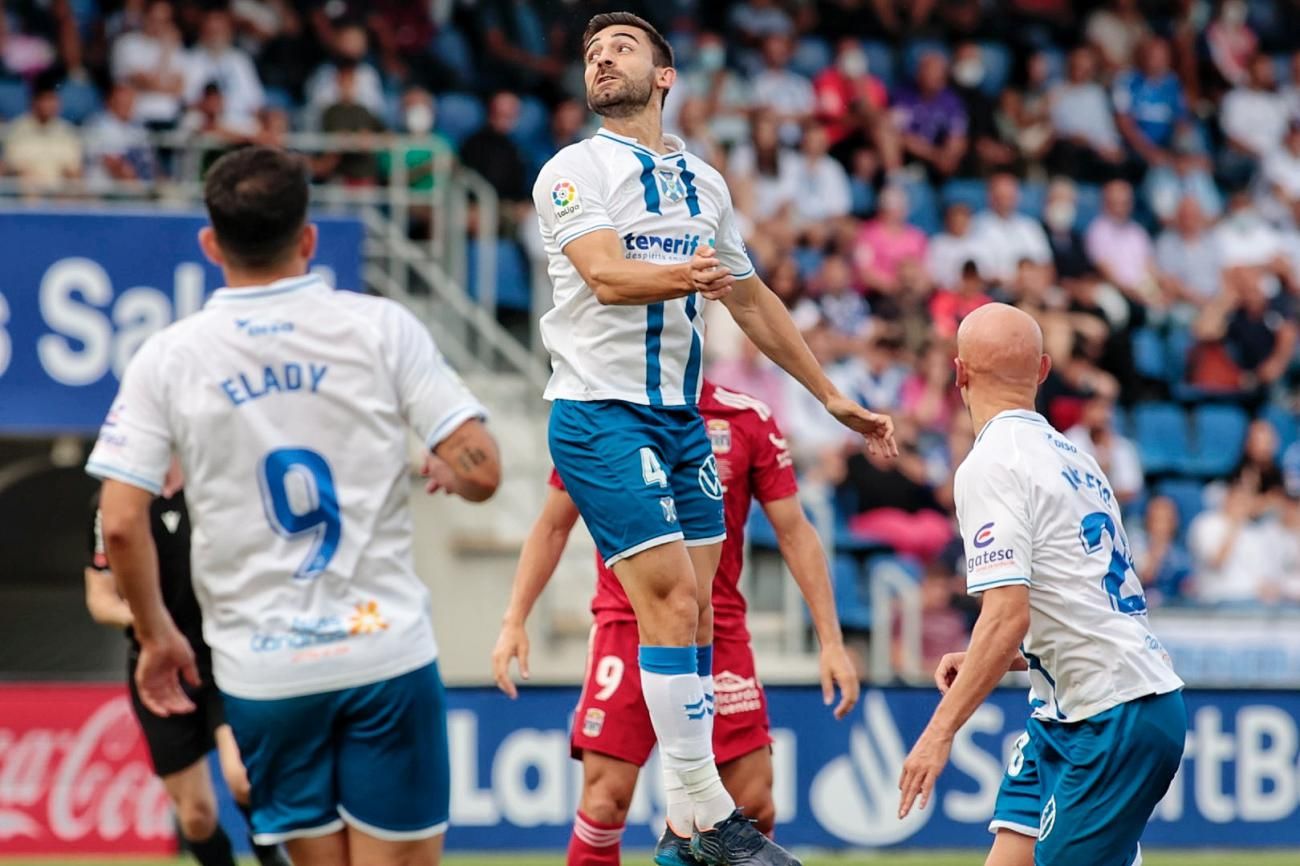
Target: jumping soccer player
(288, 405)
(178, 745)
(1046, 548)
(612, 735)
(639, 235)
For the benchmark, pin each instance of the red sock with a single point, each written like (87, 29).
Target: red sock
(593, 843)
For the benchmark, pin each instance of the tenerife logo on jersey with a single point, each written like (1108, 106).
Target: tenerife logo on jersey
(564, 195)
(659, 247)
(984, 536)
(670, 185)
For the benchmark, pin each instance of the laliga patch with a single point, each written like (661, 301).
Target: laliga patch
(594, 722)
(719, 435)
(564, 195)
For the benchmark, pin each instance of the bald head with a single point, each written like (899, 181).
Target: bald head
(1000, 351)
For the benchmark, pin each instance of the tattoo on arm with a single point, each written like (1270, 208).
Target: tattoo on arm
(471, 458)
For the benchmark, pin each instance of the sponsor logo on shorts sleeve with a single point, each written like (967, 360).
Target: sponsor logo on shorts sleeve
(719, 435)
(593, 722)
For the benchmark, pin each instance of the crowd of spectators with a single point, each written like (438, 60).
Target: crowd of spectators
(1126, 171)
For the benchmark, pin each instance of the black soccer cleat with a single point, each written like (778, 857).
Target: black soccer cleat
(674, 850)
(737, 842)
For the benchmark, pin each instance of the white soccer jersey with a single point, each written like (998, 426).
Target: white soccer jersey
(1036, 511)
(664, 207)
(288, 407)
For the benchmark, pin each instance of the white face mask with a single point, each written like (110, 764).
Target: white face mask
(1234, 13)
(1060, 215)
(968, 73)
(853, 64)
(711, 58)
(419, 119)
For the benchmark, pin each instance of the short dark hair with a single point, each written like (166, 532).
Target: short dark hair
(660, 51)
(257, 204)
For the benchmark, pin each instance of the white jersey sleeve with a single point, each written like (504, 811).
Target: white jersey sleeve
(434, 399)
(570, 198)
(135, 443)
(729, 244)
(992, 500)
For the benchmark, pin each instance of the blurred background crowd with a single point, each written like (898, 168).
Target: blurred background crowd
(1126, 171)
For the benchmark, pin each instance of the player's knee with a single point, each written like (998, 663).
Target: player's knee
(197, 817)
(606, 802)
(760, 807)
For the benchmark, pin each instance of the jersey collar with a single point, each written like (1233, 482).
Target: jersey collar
(671, 140)
(279, 287)
(1019, 414)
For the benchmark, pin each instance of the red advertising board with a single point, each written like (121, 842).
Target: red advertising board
(75, 776)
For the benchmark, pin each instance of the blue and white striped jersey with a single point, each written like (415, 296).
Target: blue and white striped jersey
(664, 207)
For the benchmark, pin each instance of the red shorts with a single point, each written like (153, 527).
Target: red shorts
(612, 718)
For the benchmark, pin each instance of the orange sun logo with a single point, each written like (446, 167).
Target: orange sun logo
(366, 619)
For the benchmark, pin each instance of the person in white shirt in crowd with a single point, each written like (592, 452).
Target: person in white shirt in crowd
(41, 148)
(117, 144)
(1253, 117)
(350, 48)
(781, 91)
(1236, 547)
(754, 172)
(1095, 435)
(1187, 256)
(216, 59)
(1116, 30)
(1280, 172)
(1188, 173)
(728, 95)
(1244, 237)
(152, 60)
(1005, 236)
(1084, 122)
(817, 185)
(1119, 247)
(953, 247)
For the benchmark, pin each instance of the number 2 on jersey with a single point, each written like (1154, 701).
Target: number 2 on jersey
(1093, 531)
(301, 477)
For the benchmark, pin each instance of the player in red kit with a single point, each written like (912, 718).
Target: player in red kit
(612, 732)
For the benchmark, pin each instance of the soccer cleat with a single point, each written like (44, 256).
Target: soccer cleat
(673, 850)
(737, 842)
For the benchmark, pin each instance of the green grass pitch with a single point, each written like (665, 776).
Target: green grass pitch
(1154, 858)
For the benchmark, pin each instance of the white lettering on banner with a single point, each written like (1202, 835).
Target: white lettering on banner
(986, 769)
(856, 796)
(138, 313)
(470, 806)
(1267, 752)
(6, 346)
(545, 803)
(79, 774)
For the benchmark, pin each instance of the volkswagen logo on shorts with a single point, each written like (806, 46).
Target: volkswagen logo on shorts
(710, 483)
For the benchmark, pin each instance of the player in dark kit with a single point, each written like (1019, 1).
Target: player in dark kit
(178, 744)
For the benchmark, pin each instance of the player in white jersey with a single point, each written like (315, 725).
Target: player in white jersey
(1046, 548)
(639, 235)
(288, 405)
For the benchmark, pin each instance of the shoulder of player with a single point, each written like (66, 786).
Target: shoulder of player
(582, 158)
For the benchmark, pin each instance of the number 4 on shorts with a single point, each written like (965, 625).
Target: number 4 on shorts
(651, 469)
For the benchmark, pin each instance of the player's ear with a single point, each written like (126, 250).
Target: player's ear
(665, 77)
(963, 377)
(307, 241)
(211, 249)
(1044, 367)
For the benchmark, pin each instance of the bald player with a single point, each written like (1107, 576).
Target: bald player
(1046, 548)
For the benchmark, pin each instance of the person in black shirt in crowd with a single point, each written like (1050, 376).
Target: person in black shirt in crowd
(178, 745)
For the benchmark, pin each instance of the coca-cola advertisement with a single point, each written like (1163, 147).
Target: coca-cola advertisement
(75, 776)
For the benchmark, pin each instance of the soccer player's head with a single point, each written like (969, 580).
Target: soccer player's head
(626, 64)
(1000, 360)
(257, 206)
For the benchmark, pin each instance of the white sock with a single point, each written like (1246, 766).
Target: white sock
(678, 807)
(670, 683)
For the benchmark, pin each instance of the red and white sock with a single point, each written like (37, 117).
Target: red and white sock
(593, 843)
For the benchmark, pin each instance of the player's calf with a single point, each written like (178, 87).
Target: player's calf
(749, 781)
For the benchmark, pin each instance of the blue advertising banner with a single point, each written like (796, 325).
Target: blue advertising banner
(80, 291)
(514, 785)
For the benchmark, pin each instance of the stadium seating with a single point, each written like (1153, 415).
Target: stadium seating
(513, 283)
(1285, 423)
(1161, 432)
(79, 101)
(812, 54)
(1187, 495)
(1219, 431)
(881, 62)
(459, 115)
(13, 98)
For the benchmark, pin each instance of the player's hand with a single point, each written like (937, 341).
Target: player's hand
(878, 430)
(440, 475)
(921, 770)
(512, 643)
(837, 670)
(946, 673)
(708, 276)
(163, 662)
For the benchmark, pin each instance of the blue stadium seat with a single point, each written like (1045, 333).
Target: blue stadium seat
(1150, 354)
(278, 97)
(1219, 432)
(864, 196)
(453, 51)
(971, 192)
(1285, 422)
(13, 98)
(812, 54)
(914, 50)
(1033, 197)
(997, 68)
(1055, 63)
(852, 601)
(759, 530)
(683, 44)
(881, 61)
(393, 109)
(514, 281)
(79, 100)
(534, 122)
(1088, 204)
(1187, 495)
(459, 115)
(923, 206)
(1161, 433)
(1178, 345)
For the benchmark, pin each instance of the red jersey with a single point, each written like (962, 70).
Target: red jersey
(753, 463)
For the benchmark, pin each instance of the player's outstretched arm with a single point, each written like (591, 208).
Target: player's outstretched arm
(165, 654)
(598, 256)
(470, 453)
(995, 642)
(802, 550)
(766, 321)
(537, 561)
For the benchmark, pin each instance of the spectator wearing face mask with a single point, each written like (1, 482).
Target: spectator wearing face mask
(967, 80)
(419, 111)
(851, 105)
(1060, 215)
(728, 96)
